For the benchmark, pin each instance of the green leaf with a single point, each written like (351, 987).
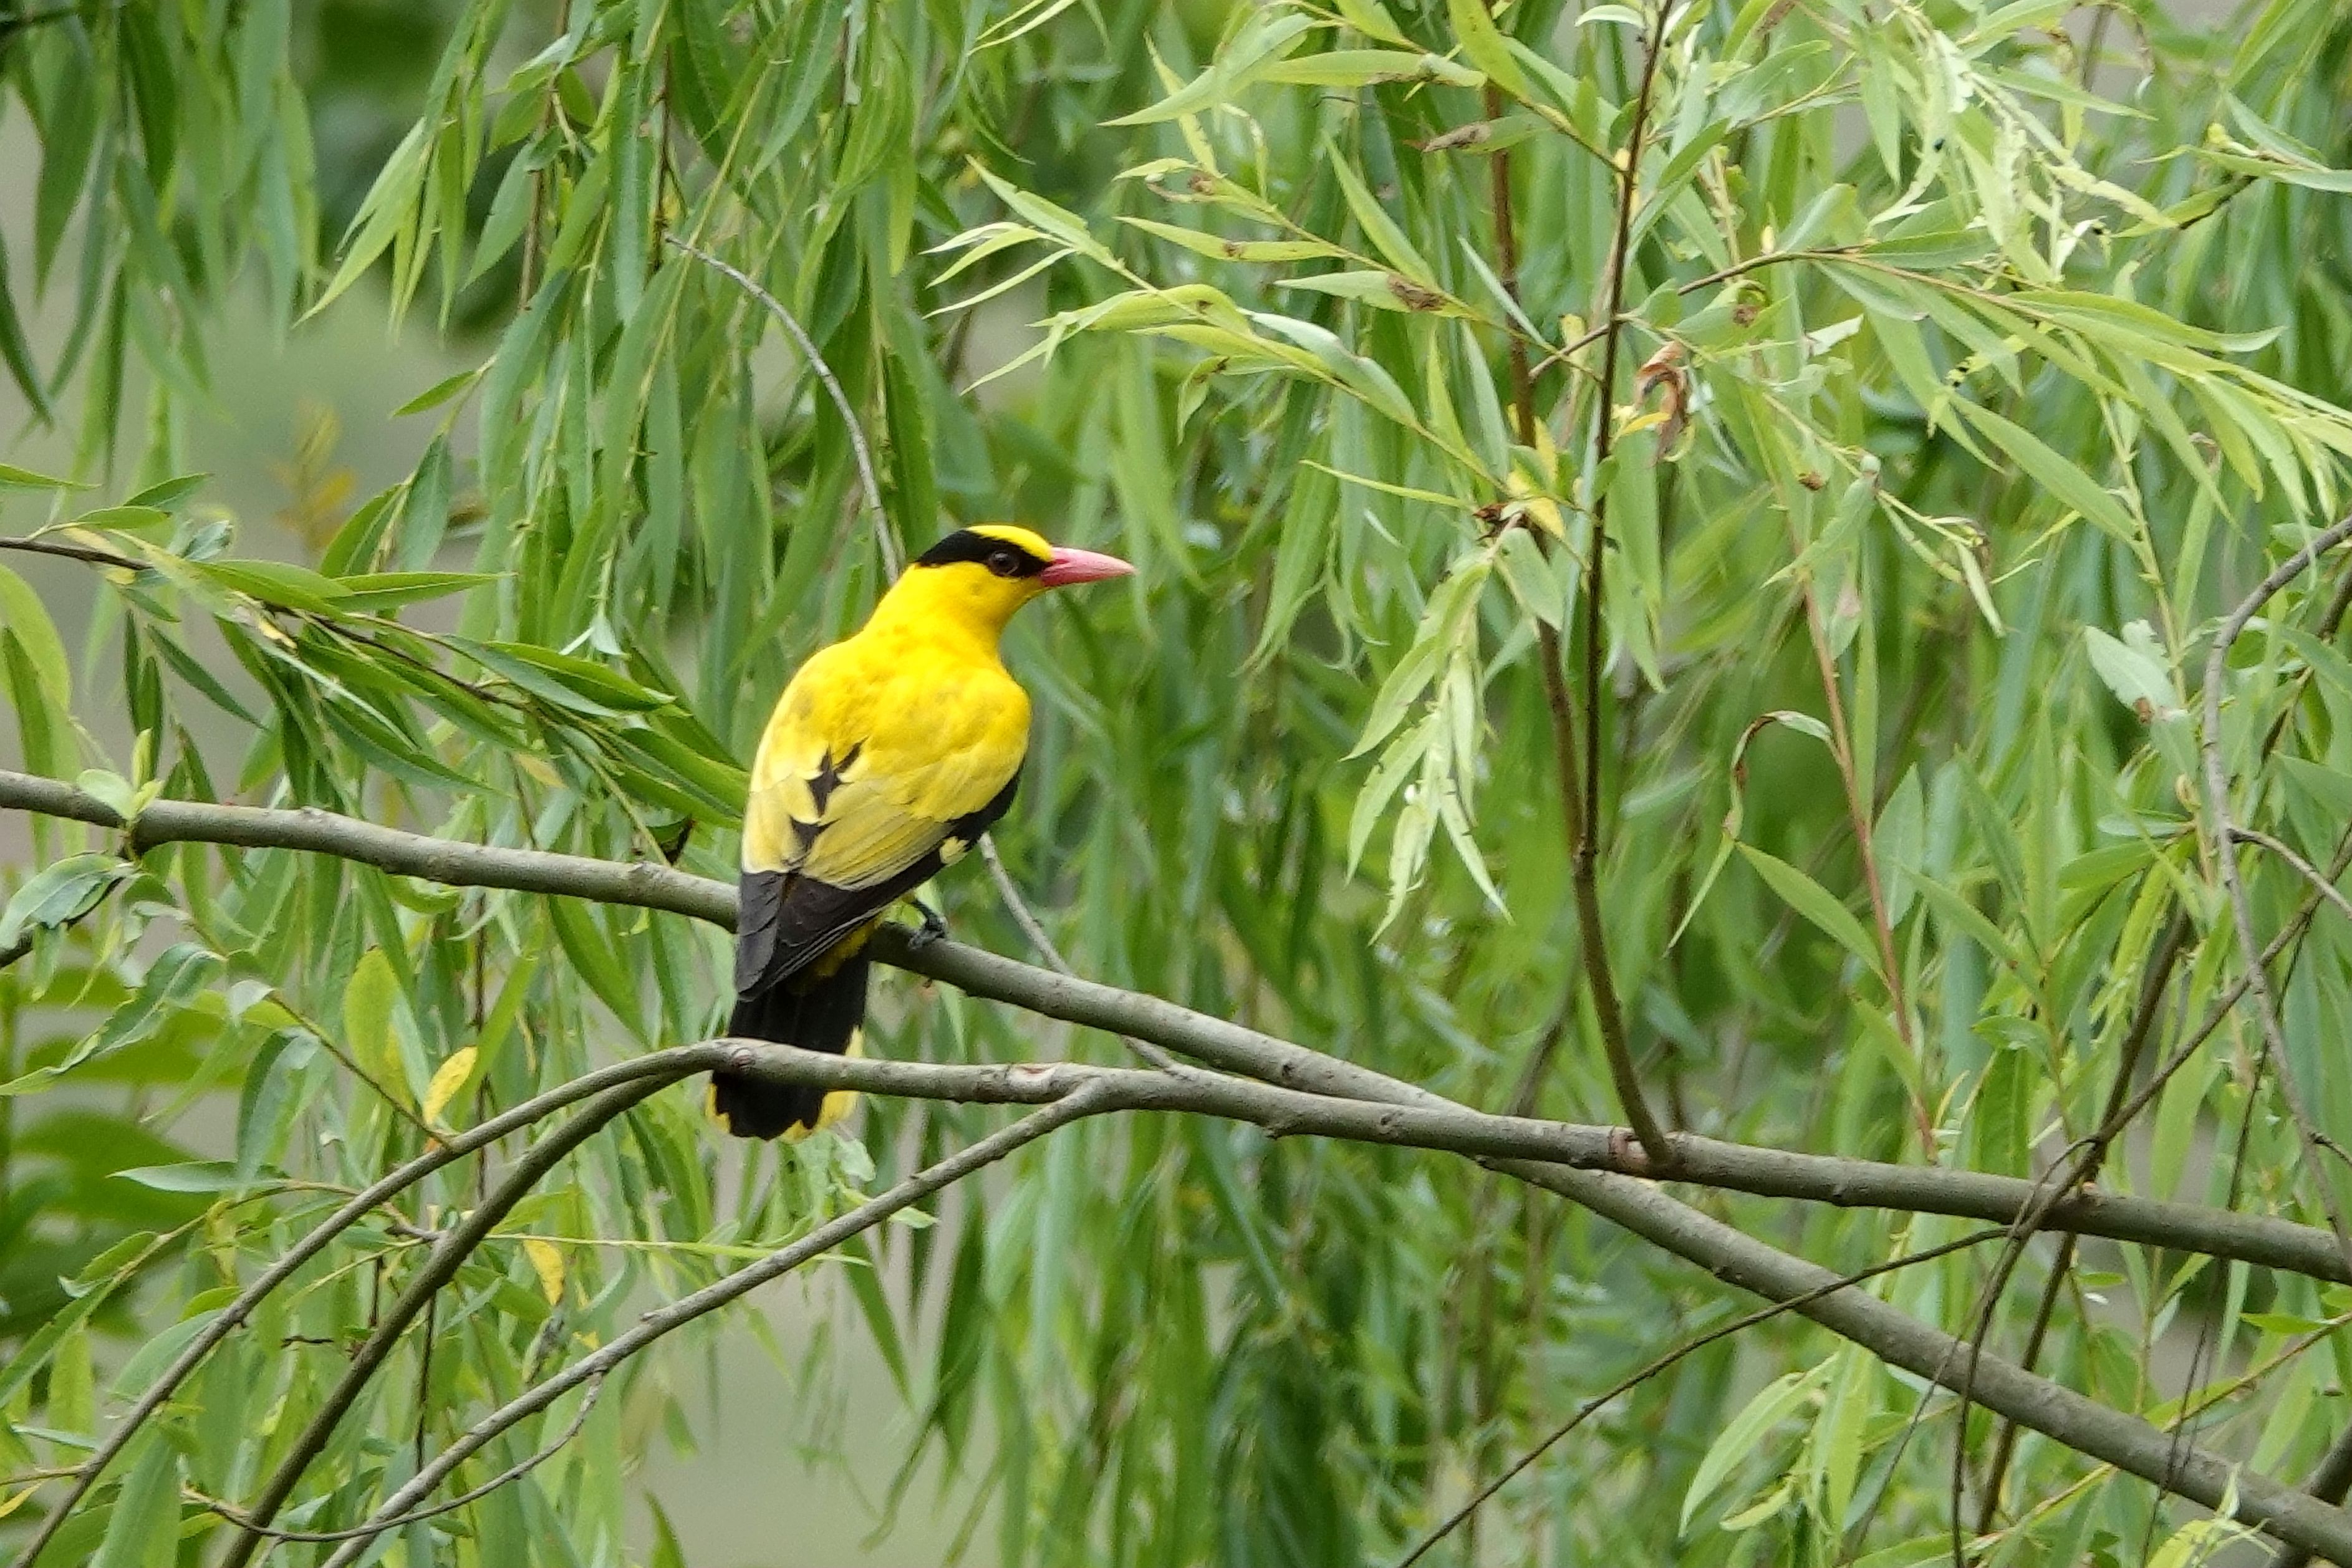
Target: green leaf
(15, 478)
(1384, 290)
(1475, 30)
(144, 1528)
(1264, 38)
(1375, 220)
(1364, 67)
(2134, 667)
(16, 349)
(179, 976)
(274, 582)
(375, 593)
(1812, 900)
(441, 391)
(369, 998)
(1771, 1404)
(2068, 483)
(563, 679)
(195, 1176)
(60, 893)
(167, 496)
(27, 619)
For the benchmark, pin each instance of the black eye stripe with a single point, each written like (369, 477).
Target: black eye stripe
(981, 550)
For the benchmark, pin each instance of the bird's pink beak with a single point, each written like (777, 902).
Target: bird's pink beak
(1070, 566)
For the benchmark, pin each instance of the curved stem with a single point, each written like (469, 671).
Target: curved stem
(892, 561)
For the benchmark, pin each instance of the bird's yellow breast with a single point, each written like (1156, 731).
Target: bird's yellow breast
(882, 740)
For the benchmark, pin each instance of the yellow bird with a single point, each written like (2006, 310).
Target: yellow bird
(887, 758)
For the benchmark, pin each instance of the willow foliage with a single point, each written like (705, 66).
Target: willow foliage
(1944, 379)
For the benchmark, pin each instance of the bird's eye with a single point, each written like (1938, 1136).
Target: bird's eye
(1004, 562)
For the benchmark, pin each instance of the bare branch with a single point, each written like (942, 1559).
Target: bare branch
(2296, 863)
(1634, 1380)
(86, 553)
(1724, 1252)
(1034, 929)
(2154, 979)
(507, 1476)
(1894, 1336)
(1703, 1162)
(2329, 1483)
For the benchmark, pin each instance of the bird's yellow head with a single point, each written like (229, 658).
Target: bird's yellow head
(979, 576)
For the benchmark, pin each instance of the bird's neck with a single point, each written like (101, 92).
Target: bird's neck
(920, 605)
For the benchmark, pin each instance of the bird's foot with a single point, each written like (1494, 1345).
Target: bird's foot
(933, 928)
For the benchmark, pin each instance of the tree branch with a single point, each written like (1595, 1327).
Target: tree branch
(1725, 1252)
(2153, 983)
(1702, 1162)
(2329, 1483)
(1085, 1101)
(1651, 1369)
(2300, 866)
(440, 1268)
(1895, 1337)
(94, 557)
(1586, 809)
(2225, 851)
(660, 1067)
(507, 1476)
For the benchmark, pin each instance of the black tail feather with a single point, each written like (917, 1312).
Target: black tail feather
(816, 1013)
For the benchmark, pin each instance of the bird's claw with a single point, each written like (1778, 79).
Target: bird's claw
(932, 929)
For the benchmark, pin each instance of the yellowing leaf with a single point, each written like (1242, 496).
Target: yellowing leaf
(448, 1079)
(538, 767)
(367, 1021)
(547, 1262)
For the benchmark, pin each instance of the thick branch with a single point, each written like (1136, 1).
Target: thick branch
(1701, 1161)
(1888, 1333)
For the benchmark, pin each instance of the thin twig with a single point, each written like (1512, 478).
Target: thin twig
(2154, 979)
(887, 542)
(2218, 1009)
(437, 1270)
(1034, 929)
(2225, 850)
(664, 1066)
(74, 552)
(2296, 862)
(1585, 1411)
(1586, 809)
(507, 1476)
(1085, 1102)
